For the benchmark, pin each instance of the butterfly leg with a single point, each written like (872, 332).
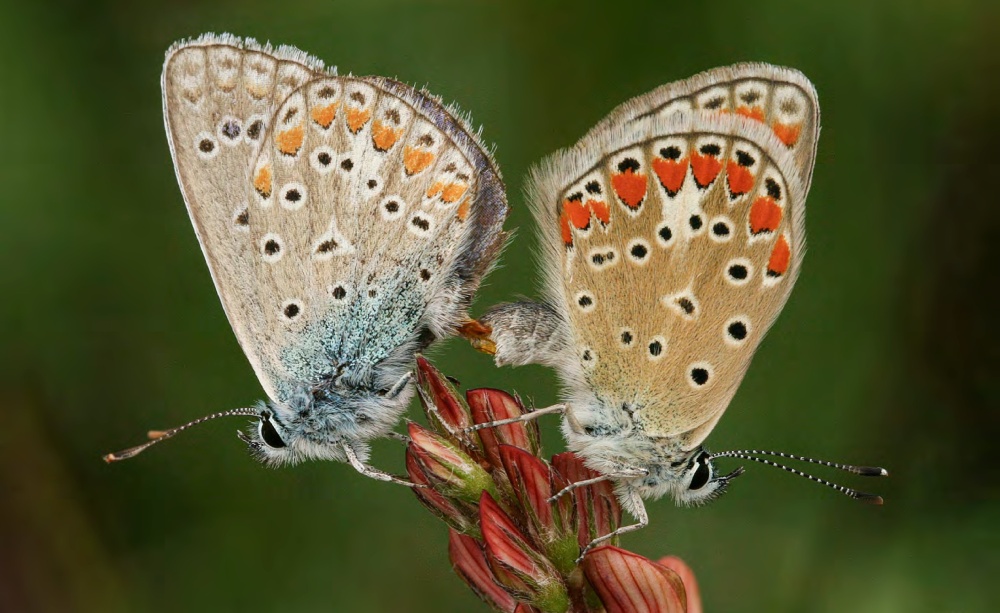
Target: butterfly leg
(637, 508)
(400, 385)
(535, 414)
(374, 473)
(621, 471)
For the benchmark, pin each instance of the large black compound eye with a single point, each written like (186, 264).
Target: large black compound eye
(701, 474)
(269, 434)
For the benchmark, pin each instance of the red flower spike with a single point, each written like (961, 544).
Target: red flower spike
(627, 582)
(459, 516)
(445, 397)
(549, 524)
(597, 508)
(528, 572)
(687, 577)
(447, 468)
(469, 561)
(493, 405)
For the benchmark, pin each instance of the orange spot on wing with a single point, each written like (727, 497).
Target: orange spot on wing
(705, 167)
(578, 213)
(290, 141)
(753, 112)
(671, 173)
(434, 189)
(567, 232)
(324, 115)
(463, 209)
(601, 210)
(739, 177)
(788, 133)
(262, 182)
(765, 215)
(453, 191)
(357, 118)
(630, 187)
(781, 255)
(416, 160)
(383, 136)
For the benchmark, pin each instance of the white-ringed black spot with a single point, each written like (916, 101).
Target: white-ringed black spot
(272, 247)
(324, 158)
(664, 236)
(347, 164)
(695, 222)
(291, 310)
(710, 149)
(773, 189)
(242, 218)
(670, 153)
(255, 129)
(206, 146)
(700, 375)
(293, 196)
(655, 348)
(720, 228)
(628, 164)
(638, 251)
(338, 293)
(230, 129)
(738, 271)
(372, 184)
(737, 330)
(626, 338)
(326, 246)
(419, 222)
(585, 301)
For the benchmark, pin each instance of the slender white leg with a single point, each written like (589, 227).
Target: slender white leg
(535, 414)
(622, 471)
(398, 386)
(373, 473)
(642, 520)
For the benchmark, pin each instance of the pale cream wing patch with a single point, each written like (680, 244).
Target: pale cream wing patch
(781, 98)
(678, 240)
(371, 205)
(219, 94)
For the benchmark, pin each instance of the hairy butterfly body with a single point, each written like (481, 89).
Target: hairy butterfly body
(347, 222)
(671, 236)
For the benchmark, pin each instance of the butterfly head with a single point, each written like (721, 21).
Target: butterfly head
(318, 423)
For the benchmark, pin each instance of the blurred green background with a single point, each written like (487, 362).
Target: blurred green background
(887, 352)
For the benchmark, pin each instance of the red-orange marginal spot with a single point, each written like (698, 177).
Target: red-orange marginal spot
(324, 115)
(357, 118)
(671, 173)
(739, 177)
(765, 215)
(753, 112)
(383, 136)
(706, 168)
(290, 141)
(436, 188)
(416, 160)
(578, 212)
(630, 187)
(453, 191)
(781, 256)
(788, 133)
(567, 232)
(262, 182)
(463, 209)
(601, 211)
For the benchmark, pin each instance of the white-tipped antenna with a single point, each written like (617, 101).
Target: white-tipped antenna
(157, 436)
(865, 471)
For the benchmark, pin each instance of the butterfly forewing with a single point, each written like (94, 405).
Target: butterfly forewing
(359, 215)
(780, 98)
(679, 238)
(218, 99)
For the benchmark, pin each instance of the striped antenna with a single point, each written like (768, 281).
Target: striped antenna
(157, 436)
(868, 471)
